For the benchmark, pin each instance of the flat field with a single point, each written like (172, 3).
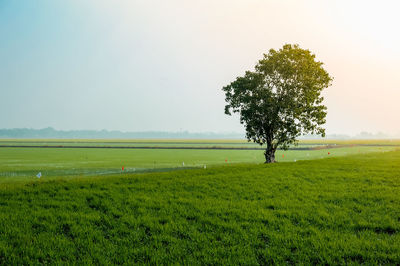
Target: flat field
(341, 208)
(72, 158)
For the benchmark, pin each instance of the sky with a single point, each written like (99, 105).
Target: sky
(160, 65)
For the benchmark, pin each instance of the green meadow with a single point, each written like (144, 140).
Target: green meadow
(320, 205)
(21, 164)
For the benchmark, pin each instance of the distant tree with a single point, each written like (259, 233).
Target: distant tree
(281, 100)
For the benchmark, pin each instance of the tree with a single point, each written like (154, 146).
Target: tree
(281, 99)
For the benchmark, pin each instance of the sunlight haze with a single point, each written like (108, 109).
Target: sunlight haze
(160, 65)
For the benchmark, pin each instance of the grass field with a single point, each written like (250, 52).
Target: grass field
(341, 208)
(24, 163)
(187, 142)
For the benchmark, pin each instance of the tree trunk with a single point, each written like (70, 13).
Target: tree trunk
(270, 154)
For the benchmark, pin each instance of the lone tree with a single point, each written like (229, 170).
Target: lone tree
(281, 100)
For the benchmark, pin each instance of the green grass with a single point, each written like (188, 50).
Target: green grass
(19, 164)
(336, 210)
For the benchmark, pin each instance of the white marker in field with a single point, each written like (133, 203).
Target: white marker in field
(183, 163)
(39, 175)
(205, 167)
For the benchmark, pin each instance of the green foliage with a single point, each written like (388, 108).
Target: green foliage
(281, 100)
(342, 210)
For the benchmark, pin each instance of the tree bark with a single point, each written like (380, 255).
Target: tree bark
(270, 154)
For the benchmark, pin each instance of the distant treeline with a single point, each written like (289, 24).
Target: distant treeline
(51, 133)
(105, 134)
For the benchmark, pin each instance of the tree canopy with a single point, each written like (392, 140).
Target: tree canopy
(281, 99)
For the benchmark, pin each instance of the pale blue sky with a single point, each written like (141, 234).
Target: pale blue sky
(160, 65)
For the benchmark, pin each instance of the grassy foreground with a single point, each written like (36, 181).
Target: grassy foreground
(335, 210)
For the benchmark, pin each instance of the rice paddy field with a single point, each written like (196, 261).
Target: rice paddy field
(198, 202)
(24, 159)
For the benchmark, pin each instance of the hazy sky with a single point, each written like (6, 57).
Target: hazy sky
(160, 65)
